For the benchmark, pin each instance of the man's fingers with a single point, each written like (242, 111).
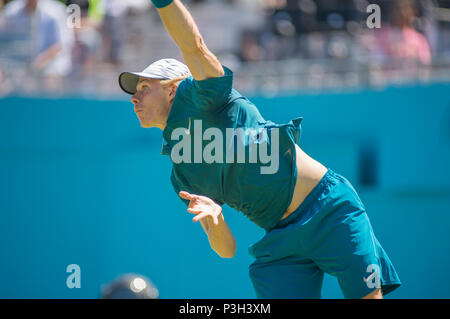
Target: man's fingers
(200, 216)
(194, 211)
(186, 195)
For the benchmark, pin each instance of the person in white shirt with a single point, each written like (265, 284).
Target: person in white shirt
(42, 25)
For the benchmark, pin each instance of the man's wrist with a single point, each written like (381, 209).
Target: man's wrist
(220, 218)
(161, 3)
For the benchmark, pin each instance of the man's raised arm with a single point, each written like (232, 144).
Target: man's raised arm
(182, 28)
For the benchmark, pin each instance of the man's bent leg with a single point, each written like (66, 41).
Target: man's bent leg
(287, 279)
(376, 294)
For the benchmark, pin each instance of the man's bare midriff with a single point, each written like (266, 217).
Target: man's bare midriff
(309, 173)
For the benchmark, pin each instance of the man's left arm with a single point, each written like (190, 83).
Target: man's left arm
(177, 20)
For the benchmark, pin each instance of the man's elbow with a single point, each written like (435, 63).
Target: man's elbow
(226, 253)
(203, 65)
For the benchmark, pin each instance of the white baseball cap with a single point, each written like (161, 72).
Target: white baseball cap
(164, 69)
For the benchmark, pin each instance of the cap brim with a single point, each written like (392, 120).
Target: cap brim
(129, 80)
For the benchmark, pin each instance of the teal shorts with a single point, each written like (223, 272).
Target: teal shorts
(329, 232)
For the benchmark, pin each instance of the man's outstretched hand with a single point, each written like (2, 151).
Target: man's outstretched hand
(202, 207)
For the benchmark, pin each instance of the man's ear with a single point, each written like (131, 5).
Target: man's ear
(172, 91)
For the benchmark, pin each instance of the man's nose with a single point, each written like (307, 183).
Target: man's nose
(134, 100)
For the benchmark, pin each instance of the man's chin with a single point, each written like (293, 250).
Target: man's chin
(146, 125)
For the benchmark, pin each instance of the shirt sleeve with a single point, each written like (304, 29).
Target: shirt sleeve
(211, 94)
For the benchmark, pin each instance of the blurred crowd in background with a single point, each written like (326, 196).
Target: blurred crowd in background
(78, 47)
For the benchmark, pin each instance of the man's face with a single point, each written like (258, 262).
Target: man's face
(31, 5)
(152, 102)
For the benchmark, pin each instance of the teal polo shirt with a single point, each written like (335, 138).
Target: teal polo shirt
(201, 108)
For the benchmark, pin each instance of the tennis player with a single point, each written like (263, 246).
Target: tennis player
(314, 221)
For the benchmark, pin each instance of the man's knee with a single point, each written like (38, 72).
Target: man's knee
(376, 294)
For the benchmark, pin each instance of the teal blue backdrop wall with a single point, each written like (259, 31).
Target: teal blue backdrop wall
(82, 183)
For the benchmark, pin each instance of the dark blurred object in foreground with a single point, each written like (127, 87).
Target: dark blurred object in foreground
(130, 286)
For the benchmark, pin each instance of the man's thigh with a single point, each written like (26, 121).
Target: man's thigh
(287, 279)
(351, 253)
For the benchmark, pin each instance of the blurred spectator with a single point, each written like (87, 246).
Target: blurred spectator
(113, 30)
(236, 15)
(400, 40)
(251, 51)
(41, 25)
(86, 44)
(328, 39)
(96, 11)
